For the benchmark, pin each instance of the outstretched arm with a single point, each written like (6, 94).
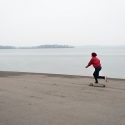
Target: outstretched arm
(89, 64)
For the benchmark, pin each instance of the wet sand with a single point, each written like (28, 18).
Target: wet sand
(52, 99)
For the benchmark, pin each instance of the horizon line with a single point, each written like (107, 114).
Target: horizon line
(61, 45)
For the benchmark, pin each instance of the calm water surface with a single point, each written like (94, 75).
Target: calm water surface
(64, 61)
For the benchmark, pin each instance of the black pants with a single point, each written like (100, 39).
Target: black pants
(96, 74)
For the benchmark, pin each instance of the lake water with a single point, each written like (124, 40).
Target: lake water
(64, 60)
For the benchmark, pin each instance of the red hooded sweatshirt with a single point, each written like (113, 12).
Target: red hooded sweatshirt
(95, 62)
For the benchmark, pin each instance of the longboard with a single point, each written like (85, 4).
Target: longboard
(97, 85)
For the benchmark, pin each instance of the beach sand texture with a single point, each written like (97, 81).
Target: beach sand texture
(46, 99)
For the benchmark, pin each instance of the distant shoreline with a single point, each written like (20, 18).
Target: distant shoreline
(37, 47)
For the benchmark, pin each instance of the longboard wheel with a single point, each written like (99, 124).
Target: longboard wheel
(91, 84)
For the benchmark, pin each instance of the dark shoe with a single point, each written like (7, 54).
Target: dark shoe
(96, 82)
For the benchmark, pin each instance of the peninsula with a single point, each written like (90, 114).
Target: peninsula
(37, 47)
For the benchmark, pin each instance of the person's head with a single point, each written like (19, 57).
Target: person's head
(93, 54)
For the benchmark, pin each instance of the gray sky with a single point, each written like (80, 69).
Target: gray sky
(77, 22)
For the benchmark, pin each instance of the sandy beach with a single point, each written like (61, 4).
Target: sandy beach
(50, 99)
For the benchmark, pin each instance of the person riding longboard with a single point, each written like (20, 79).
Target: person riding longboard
(95, 61)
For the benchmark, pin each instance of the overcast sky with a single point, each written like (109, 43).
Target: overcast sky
(77, 22)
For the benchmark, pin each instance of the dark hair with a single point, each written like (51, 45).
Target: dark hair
(94, 54)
